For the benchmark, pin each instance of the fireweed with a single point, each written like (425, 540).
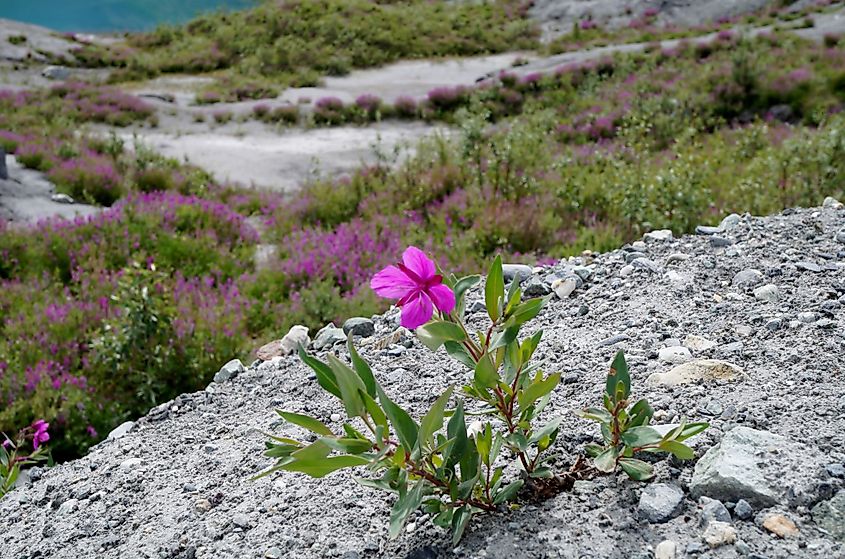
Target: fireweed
(14, 456)
(452, 470)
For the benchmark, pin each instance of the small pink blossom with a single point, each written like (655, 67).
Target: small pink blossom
(417, 286)
(41, 435)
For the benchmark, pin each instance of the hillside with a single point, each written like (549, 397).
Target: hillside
(177, 482)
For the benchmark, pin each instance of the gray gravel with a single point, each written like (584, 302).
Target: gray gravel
(177, 483)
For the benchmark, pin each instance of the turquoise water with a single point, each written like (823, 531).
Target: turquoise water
(111, 15)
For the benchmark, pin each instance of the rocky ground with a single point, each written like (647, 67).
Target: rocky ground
(764, 297)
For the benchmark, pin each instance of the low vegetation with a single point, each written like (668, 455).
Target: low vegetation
(164, 285)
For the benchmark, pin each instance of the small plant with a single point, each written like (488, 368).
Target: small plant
(17, 39)
(13, 455)
(626, 431)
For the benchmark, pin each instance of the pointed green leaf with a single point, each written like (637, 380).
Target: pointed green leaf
(547, 430)
(457, 431)
(526, 311)
(618, 378)
(320, 467)
(325, 376)
(606, 460)
(433, 420)
(464, 284)
(641, 413)
(680, 450)
(636, 469)
(596, 414)
(350, 383)
(374, 410)
(640, 436)
(460, 519)
(305, 421)
(508, 492)
(494, 289)
(460, 354)
(362, 368)
(435, 334)
(538, 389)
(405, 427)
(486, 375)
(404, 506)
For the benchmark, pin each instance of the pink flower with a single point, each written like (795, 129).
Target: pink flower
(41, 435)
(417, 285)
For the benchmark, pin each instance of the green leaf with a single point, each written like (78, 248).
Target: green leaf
(606, 460)
(362, 368)
(494, 289)
(433, 420)
(537, 389)
(547, 430)
(513, 297)
(530, 345)
(460, 519)
(435, 334)
(404, 506)
(464, 284)
(348, 445)
(596, 414)
(680, 450)
(405, 427)
(502, 339)
(305, 421)
(640, 436)
(636, 469)
(526, 311)
(508, 492)
(619, 377)
(350, 383)
(325, 376)
(641, 413)
(691, 430)
(593, 450)
(460, 354)
(319, 467)
(483, 443)
(486, 375)
(374, 410)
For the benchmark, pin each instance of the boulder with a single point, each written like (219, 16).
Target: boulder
(660, 502)
(359, 326)
(751, 465)
(830, 515)
(229, 371)
(519, 271)
(328, 336)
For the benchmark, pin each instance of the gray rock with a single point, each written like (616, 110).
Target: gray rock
(536, 287)
(130, 464)
(241, 521)
(808, 266)
(520, 271)
(359, 326)
(729, 222)
(718, 534)
(273, 553)
(612, 340)
(68, 506)
(830, 515)
(55, 73)
(328, 336)
(229, 371)
(835, 470)
(633, 255)
(563, 288)
(62, 198)
(808, 317)
(646, 264)
(750, 464)
(661, 235)
(707, 230)
(297, 336)
(713, 509)
(667, 549)
(768, 293)
(747, 278)
(121, 430)
(743, 510)
(840, 236)
(718, 241)
(660, 502)
(831, 202)
(675, 355)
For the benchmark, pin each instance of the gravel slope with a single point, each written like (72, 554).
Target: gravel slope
(178, 484)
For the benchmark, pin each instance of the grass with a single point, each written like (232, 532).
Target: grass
(255, 53)
(163, 286)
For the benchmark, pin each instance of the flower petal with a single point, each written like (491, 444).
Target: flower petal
(417, 311)
(419, 263)
(443, 297)
(392, 283)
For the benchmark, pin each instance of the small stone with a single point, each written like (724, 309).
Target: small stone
(840, 236)
(774, 324)
(780, 525)
(519, 271)
(631, 256)
(59, 73)
(612, 340)
(713, 509)
(646, 264)
(359, 326)
(835, 470)
(660, 502)
(830, 515)
(202, 505)
(717, 241)
(583, 487)
(121, 430)
(767, 293)
(273, 553)
(833, 203)
(297, 336)
(328, 336)
(747, 278)
(130, 464)
(718, 534)
(661, 235)
(68, 506)
(563, 288)
(729, 222)
(229, 371)
(707, 230)
(700, 369)
(667, 549)
(743, 510)
(536, 288)
(698, 343)
(808, 317)
(677, 257)
(626, 271)
(335, 417)
(674, 355)
(268, 351)
(62, 198)
(241, 521)
(808, 266)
